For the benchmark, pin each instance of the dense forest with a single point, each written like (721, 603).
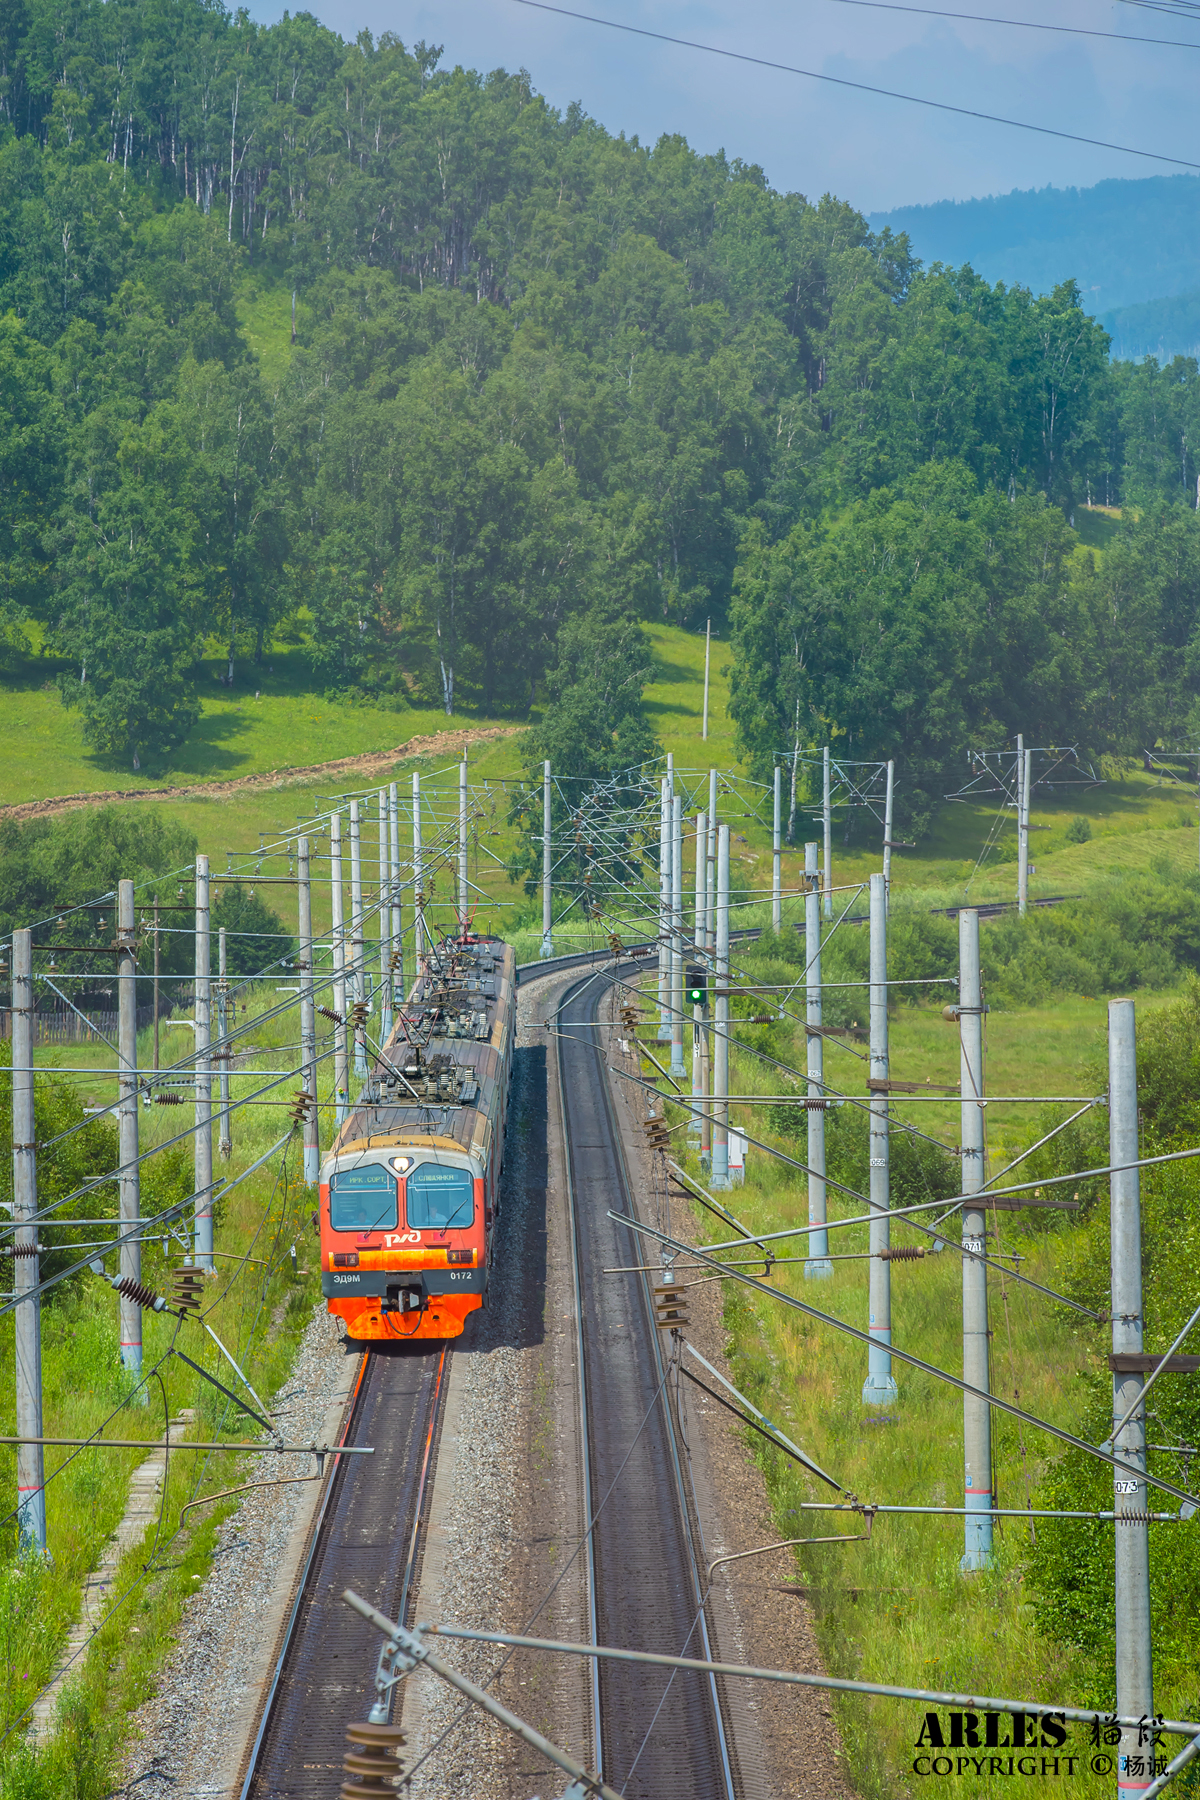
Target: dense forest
(539, 374)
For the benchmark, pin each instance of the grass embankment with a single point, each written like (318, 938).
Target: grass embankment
(896, 1609)
(260, 1307)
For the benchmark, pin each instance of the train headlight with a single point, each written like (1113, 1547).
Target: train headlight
(402, 1164)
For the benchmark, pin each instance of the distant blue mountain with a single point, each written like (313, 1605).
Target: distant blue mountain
(1126, 243)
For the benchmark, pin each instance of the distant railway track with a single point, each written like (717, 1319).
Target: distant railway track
(367, 1535)
(653, 1739)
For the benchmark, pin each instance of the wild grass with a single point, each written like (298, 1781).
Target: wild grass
(259, 1306)
(895, 1608)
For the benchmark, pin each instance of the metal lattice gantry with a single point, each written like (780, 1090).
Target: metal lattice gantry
(1009, 777)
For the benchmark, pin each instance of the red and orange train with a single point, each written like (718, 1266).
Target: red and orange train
(409, 1187)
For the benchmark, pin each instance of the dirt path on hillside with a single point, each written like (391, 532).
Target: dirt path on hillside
(377, 762)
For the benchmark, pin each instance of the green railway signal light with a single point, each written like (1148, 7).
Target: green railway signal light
(697, 988)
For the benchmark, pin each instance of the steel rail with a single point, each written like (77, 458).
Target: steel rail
(322, 1679)
(679, 1747)
(584, 1443)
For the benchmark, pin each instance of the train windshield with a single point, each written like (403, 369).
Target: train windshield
(363, 1199)
(438, 1198)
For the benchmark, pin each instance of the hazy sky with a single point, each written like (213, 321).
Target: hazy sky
(815, 138)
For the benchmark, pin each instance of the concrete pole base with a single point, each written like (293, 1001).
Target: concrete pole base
(818, 1268)
(880, 1390)
(547, 949)
(677, 1070)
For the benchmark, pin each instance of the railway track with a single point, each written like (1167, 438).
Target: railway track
(654, 1738)
(367, 1536)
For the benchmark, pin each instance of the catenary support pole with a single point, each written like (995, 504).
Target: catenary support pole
(711, 924)
(888, 813)
(707, 652)
(224, 1129)
(385, 922)
(31, 1479)
(308, 1019)
(396, 972)
(1024, 759)
(547, 948)
(127, 1126)
(879, 1389)
(720, 1105)
(699, 945)
(664, 912)
(155, 983)
(827, 817)
(817, 1266)
(1135, 1674)
(977, 1418)
(202, 1008)
(776, 862)
(341, 1055)
(420, 937)
(357, 984)
(464, 893)
(678, 1068)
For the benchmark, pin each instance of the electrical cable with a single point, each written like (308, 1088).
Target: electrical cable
(862, 87)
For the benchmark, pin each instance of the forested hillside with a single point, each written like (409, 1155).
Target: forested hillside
(538, 372)
(1124, 242)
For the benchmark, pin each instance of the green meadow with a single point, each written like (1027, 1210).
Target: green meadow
(893, 1608)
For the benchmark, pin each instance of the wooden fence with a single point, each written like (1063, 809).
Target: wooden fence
(66, 1027)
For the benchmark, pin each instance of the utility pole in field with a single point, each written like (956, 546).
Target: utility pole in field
(203, 1045)
(358, 948)
(776, 863)
(308, 1019)
(720, 1100)
(707, 650)
(827, 816)
(127, 1129)
(31, 1478)
(817, 1266)
(341, 1057)
(1135, 1671)
(225, 1135)
(879, 1389)
(547, 948)
(699, 946)
(888, 809)
(977, 1417)
(385, 922)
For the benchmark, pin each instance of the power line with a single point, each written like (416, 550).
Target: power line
(862, 87)
(933, 12)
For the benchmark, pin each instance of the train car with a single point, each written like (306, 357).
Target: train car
(409, 1187)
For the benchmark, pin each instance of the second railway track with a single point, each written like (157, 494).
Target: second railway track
(656, 1738)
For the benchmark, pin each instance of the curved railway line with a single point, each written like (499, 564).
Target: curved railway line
(664, 1738)
(655, 1739)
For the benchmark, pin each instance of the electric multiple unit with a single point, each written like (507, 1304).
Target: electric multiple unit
(409, 1188)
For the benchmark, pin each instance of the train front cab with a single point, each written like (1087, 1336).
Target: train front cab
(403, 1238)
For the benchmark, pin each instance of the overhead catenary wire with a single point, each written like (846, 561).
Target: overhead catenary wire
(862, 87)
(916, 1362)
